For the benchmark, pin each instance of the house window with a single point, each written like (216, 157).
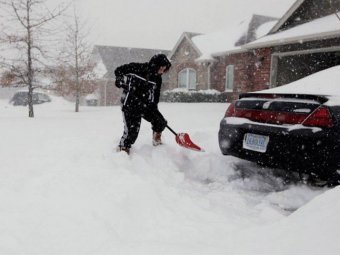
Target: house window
(187, 79)
(229, 78)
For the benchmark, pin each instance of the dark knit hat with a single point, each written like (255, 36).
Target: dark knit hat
(159, 60)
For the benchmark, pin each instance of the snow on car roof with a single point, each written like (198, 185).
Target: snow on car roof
(326, 82)
(34, 90)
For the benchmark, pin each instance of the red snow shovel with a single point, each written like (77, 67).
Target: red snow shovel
(184, 140)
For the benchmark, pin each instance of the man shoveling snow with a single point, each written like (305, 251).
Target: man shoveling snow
(141, 84)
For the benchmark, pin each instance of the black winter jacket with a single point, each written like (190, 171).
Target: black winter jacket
(142, 84)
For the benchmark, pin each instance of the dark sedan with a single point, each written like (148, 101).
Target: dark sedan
(295, 132)
(21, 98)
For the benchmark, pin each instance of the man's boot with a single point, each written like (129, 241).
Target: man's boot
(156, 138)
(127, 150)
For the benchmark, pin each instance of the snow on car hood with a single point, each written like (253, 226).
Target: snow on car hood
(326, 82)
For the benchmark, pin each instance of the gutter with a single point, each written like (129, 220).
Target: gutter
(229, 52)
(296, 39)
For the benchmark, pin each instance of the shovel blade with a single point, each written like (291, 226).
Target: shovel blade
(184, 140)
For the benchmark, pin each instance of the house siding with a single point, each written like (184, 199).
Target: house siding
(298, 60)
(253, 69)
(261, 61)
(251, 72)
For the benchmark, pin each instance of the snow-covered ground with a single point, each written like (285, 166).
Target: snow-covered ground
(65, 190)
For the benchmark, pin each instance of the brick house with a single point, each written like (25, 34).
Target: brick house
(183, 57)
(107, 59)
(306, 39)
(194, 67)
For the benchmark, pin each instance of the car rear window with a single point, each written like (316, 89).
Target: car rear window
(278, 105)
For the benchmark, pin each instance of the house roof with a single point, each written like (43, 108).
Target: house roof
(286, 16)
(110, 57)
(228, 41)
(321, 28)
(185, 36)
(303, 11)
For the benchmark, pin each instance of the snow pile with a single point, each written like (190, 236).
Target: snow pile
(310, 230)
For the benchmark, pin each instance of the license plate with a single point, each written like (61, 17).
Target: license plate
(255, 142)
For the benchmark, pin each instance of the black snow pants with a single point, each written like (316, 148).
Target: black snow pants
(132, 121)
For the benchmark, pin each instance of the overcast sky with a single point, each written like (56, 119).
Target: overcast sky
(159, 23)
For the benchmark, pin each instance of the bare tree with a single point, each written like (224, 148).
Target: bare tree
(77, 65)
(65, 81)
(21, 38)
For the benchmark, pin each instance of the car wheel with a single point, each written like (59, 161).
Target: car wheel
(334, 179)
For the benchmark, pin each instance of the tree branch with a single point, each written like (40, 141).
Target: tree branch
(52, 15)
(18, 15)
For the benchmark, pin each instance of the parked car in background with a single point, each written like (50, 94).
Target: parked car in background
(295, 127)
(91, 100)
(21, 98)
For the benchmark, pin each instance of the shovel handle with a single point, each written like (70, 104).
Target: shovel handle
(172, 131)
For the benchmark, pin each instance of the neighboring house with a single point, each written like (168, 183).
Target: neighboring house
(185, 72)
(194, 65)
(306, 39)
(107, 59)
(258, 53)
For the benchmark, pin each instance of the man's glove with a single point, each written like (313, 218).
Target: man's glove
(120, 83)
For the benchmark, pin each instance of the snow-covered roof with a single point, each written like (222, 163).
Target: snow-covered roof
(100, 69)
(184, 36)
(186, 91)
(328, 26)
(220, 41)
(229, 40)
(109, 58)
(286, 16)
(265, 28)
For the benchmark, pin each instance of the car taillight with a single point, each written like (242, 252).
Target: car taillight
(230, 111)
(321, 117)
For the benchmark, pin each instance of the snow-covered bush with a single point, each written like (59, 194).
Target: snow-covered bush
(190, 96)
